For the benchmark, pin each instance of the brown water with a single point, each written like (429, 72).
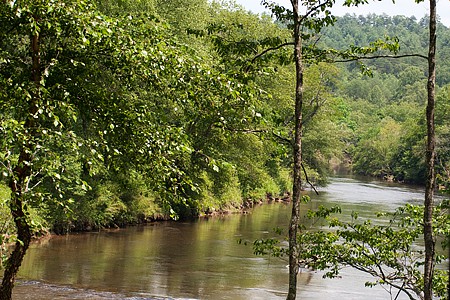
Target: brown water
(198, 260)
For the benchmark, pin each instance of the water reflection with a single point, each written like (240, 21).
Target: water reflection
(198, 260)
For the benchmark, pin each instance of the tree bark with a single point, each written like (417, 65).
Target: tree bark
(22, 173)
(297, 185)
(23, 241)
(430, 158)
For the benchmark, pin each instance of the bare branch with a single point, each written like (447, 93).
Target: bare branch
(271, 49)
(254, 131)
(282, 138)
(399, 290)
(307, 180)
(33, 187)
(246, 130)
(312, 10)
(311, 115)
(382, 56)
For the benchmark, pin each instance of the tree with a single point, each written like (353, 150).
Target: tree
(430, 160)
(73, 83)
(24, 136)
(443, 138)
(312, 19)
(105, 79)
(430, 183)
(303, 27)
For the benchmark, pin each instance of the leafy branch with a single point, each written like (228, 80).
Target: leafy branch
(386, 252)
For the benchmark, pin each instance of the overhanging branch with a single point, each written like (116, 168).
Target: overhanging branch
(256, 131)
(382, 56)
(283, 139)
(271, 49)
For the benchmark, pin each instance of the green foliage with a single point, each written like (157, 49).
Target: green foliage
(198, 119)
(323, 133)
(378, 149)
(443, 140)
(7, 229)
(409, 161)
(183, 15)
(156, 109)
(8, 234)
(398, 149)
(94, 66)
(237, 36)
(120, 95)
(397, 90)
(220, 190)
(387, 248)
(132, 7)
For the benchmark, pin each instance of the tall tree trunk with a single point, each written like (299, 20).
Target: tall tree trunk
(21, 175)
(430, 157)
(296, 191)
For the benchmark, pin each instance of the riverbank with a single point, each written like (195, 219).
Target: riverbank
(44, 230)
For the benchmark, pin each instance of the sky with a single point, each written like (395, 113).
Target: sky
(401, 7)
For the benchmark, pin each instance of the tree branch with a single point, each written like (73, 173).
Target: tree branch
(246, 130)
(312, 10)
(307, 180)
(271, 49)
(282, 138)
(254, 131)
(382, 56)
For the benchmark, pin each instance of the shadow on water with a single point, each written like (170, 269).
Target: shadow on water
(198, 260)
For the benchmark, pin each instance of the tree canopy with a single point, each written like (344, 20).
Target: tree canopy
(116, 112)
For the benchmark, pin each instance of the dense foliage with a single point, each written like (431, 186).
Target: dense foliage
(115, 112)
(146, 115)
(384, 112)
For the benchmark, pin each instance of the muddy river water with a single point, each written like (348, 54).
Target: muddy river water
(201, 259)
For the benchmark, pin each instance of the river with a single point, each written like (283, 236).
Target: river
(201, 259)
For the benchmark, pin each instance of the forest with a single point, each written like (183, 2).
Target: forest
(122, 112)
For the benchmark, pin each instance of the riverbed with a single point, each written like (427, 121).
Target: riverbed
(201, 259)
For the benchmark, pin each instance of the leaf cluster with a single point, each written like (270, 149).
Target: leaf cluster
(387, 248)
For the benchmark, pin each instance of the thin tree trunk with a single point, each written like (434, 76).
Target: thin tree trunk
(296, 191)
(430, 157)
(20, 247)
(18, 183)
